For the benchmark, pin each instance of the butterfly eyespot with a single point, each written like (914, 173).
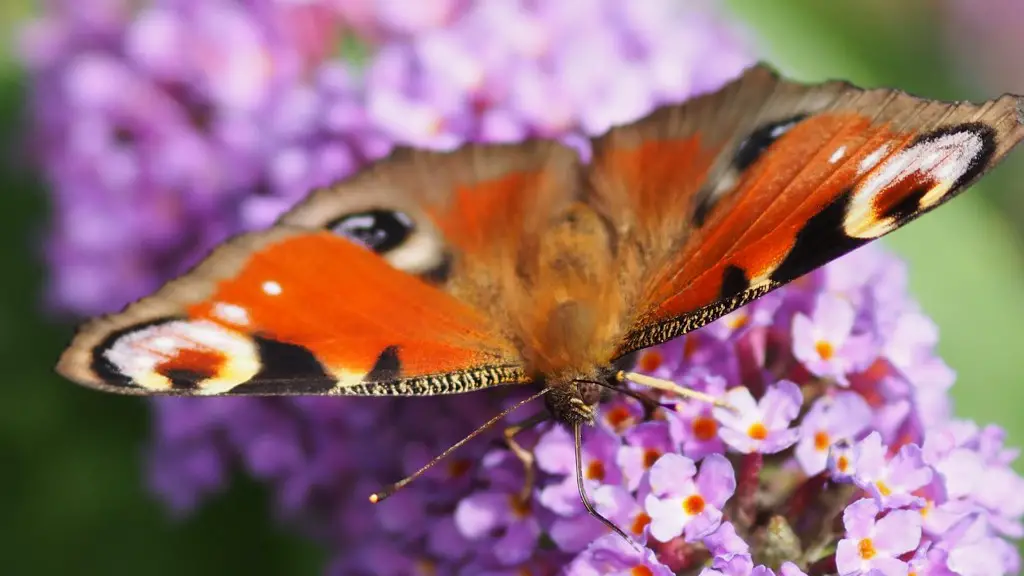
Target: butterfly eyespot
(174, 354)
(380, 230)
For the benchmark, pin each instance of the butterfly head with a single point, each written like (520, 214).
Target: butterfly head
(573, 399)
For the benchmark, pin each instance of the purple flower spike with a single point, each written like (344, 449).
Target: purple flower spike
(830, 420)
(891, 481)
(680, 503)
(753, 426)
(610, 555)
(873, 546)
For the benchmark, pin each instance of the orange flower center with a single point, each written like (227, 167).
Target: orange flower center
(640, 571)
(650, 361)
(595, 471)
(704, 428)
(693, 504)
(825, 350)
(426, 568)
(822, 441)
(618, 417)
(866, 548)
(650, 457)
(458, 467)
(690, 345)
(883, 488)
(521, 508)
(737, 320)
(757, 431)
(843, 464)
(639, 523)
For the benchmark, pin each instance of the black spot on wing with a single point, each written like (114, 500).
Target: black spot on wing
(184, 380)
(734, 281)
(754, 145)
(104, 368)
(388, 367)
(286, 369)
(820, 241)
(381, 230)
(700, 215)
(747, 153)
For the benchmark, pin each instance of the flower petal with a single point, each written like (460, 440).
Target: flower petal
(898, 532)
(716, 481)
(670, 473)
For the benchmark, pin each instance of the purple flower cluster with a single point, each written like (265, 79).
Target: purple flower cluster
(165, 127)
(861, 470)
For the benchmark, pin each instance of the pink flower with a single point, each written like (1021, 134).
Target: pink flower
(760, 426)
(681, 500)
(873, 546)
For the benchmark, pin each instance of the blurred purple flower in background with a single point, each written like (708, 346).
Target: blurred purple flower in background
(165, 127)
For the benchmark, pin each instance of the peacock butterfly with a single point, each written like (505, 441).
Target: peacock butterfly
(522, 264)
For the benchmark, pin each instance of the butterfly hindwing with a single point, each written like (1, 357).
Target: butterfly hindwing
(719, 200)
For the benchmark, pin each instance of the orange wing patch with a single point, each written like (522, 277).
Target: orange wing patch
(291, 313)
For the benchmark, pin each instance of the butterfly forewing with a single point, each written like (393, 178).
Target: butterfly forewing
(729, 196)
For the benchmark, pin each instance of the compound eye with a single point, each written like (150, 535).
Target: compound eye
(380, 230)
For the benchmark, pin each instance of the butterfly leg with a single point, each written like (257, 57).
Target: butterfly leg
(525, 456)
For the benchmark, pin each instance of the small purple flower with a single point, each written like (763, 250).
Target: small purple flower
(574, 528)
(612, 556)
(873, 546)
(892, 481)
(683, 500)
(621, 507)
(840, 461)
(970, 549)
(752, 426)
(787, 569)
(482, 514)
(823, 341)
(555, 454)
(693, 425)
(645, 444)
(830, 419)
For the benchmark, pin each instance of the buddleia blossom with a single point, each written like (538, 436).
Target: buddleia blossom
(184, 122)
(162, 128)
(842, 442)
(834, 495)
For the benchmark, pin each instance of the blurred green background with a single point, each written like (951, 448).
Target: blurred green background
(73, 493)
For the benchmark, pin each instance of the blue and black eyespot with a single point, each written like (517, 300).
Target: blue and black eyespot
(380, 230)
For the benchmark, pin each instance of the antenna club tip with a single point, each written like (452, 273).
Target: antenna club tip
(374, 498)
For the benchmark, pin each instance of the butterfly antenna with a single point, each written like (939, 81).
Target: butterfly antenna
(578, 446)
(390, 490)
(671, 387)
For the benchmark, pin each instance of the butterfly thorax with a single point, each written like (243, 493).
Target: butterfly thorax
(570, 321)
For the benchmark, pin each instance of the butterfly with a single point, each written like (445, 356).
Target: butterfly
(445, 272)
